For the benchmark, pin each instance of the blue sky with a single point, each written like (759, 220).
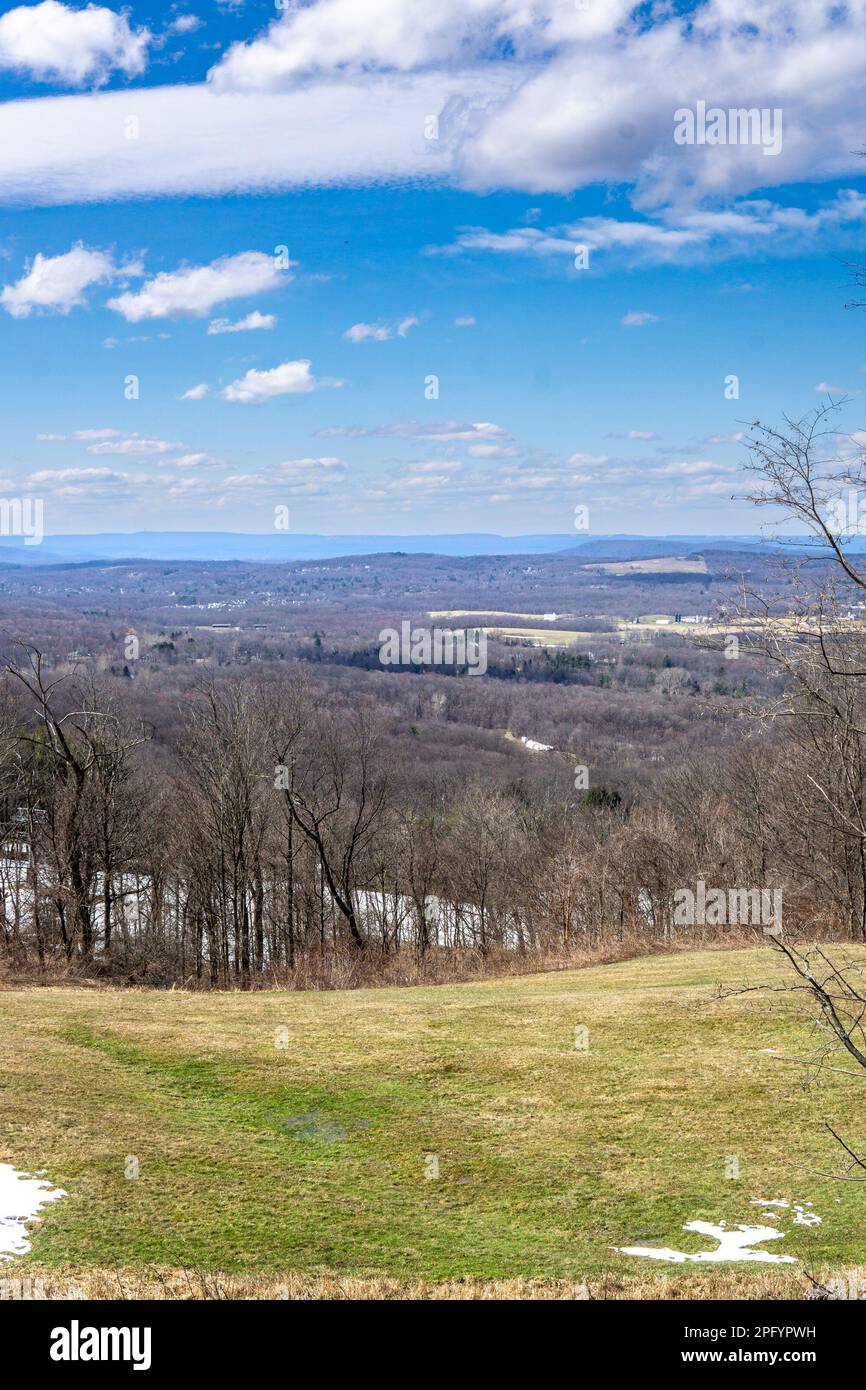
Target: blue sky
(163, 158)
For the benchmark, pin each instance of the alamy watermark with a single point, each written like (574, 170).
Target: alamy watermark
(23, 516)
(738, 125)
(425, 646)
(846, 514)
(732, 907)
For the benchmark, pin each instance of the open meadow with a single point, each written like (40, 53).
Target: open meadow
(399, 1140)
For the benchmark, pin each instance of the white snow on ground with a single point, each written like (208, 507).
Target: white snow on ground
(802, 1217)
(733, 1245)
(20, 1199)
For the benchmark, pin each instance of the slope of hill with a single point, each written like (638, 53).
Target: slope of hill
(511, 1129)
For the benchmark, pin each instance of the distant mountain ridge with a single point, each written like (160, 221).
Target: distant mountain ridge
(255, 548)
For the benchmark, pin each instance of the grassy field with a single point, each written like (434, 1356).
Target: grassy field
(306, 1155)
(539, 636)
(668, 564)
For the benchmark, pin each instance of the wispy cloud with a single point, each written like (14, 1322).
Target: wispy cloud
(247, 324)
(379, 332)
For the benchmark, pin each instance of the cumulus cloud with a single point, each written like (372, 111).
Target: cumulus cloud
(536, 95)
(288, 379)
(195, 393)
(52, 42)
(58, 283)
(184, 24)
(244, 325)
(353, 36)
(584, 111)
(197, 289)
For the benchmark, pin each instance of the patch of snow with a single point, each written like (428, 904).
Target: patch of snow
(21, 1197)
(732, 1245)
(802, 1217)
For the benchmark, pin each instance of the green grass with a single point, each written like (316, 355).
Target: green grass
(311, 1160)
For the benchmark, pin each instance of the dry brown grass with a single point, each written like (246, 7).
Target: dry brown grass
(193, 1284)
(346, 969)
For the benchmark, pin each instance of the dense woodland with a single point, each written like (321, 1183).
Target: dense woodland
(266, 803)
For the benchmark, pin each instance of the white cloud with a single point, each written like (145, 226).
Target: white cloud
(636, 318)
(379, 333)
(588, 458)
(327, 463)
(584, 111)
(646, 239)
(352, 36)
(79, 482)
(674, 236)
(289, 378)
(197, 289)
(244, 325)
(73, 149)
(184, 24)
(185, 461)
(297, 478)
(483, 430)
(492, 451)
(465, 321)
(363, 332)
(56, 43)
(195, 393)
(58, 283)
(133, 444)
(589, 114)
(340, 91)
(691, 469)
(82, 435)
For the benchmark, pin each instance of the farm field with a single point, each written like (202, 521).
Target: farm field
(672, 564)
(538, 636)
(405, 1139)
(493, 612)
